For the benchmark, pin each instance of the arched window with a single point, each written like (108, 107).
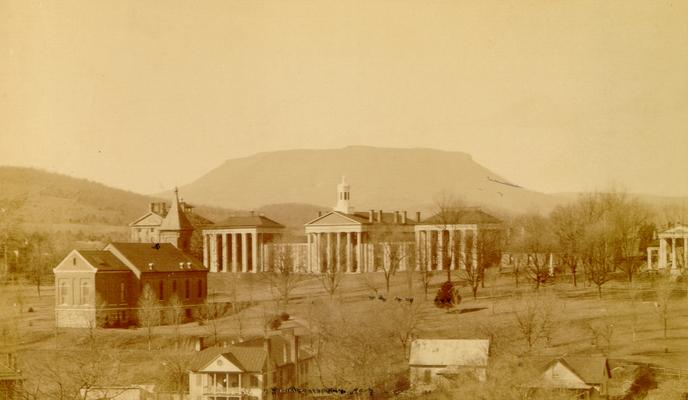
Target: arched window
(161, 292)
(85, 292)
(122, 293)
(64, 292)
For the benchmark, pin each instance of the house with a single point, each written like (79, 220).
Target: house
(173, 225)
(272, 367)
(102, 287)
(433, 362)
(588, 376)
(10, 378)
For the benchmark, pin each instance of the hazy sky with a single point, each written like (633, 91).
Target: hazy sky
(143, 95)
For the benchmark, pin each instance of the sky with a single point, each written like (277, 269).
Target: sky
(144, 95)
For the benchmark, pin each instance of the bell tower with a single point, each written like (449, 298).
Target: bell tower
(343, 198)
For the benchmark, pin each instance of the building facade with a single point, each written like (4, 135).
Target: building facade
(241, 244)
(266, 368)
(433, 362)
(102, 287)
(672, 251)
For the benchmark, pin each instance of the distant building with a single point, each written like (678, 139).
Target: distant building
(173, 225)
(433, 362)
(11, 379)
(667, 254)
(251, 370)
(240, 244)
(455, 238)
(586, 376)
(131, 392)
(354, 241)
(103, 286)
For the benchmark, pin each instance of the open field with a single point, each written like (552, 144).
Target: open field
(636, 329)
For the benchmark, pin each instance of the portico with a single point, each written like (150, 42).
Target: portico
(442, 243)
(672, 251)
(239, 244)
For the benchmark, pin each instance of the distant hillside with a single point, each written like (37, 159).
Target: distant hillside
(53, 201)
(380, 178)
(293, 215)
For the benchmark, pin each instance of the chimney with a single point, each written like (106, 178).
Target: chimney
(396, 217)
(403, 217)
(379, 215)
(188, 264)
(181, 265)
(150, 266)
(319, 214)
(370, 215)
(163, 208)
(151, 206)
(418, 216)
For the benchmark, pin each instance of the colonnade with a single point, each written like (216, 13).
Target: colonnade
(667, 254)
(240, 251)
(437, 248)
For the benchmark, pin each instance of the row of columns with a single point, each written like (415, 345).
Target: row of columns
(426, 239)
(338, 253)
(216, 246)
(663, 259)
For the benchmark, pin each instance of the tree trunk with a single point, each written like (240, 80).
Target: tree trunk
(599, 291)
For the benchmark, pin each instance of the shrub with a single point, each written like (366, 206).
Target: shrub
(447, 296)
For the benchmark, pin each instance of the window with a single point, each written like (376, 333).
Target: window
(187, 289)
(64, 292)
(174, 286)
(122, 293)
(427, 376)
(85, 292)
(161, 291)
(73, 260)
(254, 381)
(200, 288)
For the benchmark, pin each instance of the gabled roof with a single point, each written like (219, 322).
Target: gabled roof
(467, 216)
(251, 221)
(591, 369)
(149, 219)
(448, 352)
(164, 256)
(103, 260)
(176, 219)
(248, 359)
(675, 230)
(364, 218)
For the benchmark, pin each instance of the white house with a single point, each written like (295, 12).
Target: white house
(434, 361)
(588, 376)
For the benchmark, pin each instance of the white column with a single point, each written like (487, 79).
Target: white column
(359, 254)
(309, 253)
(224, 252)
(462, 249)
(685, 252)
(244, 253)
(213, 253)
(348, 252)
(673, 253)
(440, 249)
(338, 263)
(474, 262)
(205, 250)
(418, 244)
(234, 252)
(329, 251)
(452, 245)
(649, 258)
(254, 252)
(661, 263)
(428, 248)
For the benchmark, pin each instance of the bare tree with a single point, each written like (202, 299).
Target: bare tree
(175, 314)
(534, 238)
(394, 249)
(449, 211)
(602, 334)
(488, 254)
(211, 311)
(664, 291)
(425, 275)
(569, 228)
(10, 230)
(535, 319)
(598, 257)
(148, 312)
(331, 276)
(174, 376)
(407, 319)
(282, 275)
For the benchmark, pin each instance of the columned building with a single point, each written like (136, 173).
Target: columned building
(240, 244)
(451, 239)
(344, 240)
(672, 251)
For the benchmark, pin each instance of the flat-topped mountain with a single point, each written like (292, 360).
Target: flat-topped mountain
(380, 178)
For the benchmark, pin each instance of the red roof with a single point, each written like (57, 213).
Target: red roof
(103, 260)
(164, 256)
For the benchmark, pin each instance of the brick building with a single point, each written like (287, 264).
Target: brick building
(102, 287)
